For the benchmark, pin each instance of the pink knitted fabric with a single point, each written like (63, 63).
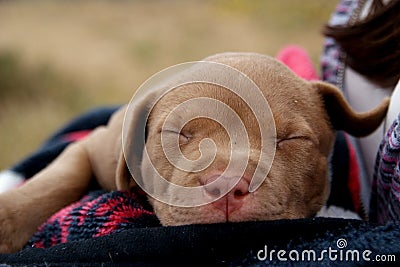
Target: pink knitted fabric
(298, 60)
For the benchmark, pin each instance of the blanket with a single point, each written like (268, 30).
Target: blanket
(320, 241)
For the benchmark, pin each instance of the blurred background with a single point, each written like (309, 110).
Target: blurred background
(60, 58)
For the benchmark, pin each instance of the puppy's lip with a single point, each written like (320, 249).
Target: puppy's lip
(225, 216)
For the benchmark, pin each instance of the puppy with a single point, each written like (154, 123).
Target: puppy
(294, 183)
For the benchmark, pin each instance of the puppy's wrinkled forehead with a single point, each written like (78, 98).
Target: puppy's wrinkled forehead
(204, 91)
(279, 84)
(288, 96)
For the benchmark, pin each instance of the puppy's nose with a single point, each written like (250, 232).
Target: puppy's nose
(231, 201)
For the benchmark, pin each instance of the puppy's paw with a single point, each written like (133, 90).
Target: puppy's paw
(12, 237)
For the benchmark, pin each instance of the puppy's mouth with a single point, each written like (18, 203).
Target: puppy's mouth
(226, 206)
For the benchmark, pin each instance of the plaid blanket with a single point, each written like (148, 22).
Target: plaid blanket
(97, 214)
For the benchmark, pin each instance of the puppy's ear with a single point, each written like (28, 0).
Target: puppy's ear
(123, 177)
(343, 117)
(134, 138)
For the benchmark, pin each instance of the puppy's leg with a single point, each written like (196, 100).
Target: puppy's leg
(24, 209)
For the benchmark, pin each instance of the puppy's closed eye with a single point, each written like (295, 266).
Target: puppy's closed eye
(290, 140)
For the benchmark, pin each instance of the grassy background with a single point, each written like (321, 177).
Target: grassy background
(59, 58)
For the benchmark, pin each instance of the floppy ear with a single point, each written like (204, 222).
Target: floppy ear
(134, 138)
(343, 117)
(123, 177)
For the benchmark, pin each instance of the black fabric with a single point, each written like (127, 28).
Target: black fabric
(340, 195)
(234, 244)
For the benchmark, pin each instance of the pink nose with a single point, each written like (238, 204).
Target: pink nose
(231, 201)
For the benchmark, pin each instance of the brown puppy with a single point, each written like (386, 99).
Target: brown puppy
(306, 115)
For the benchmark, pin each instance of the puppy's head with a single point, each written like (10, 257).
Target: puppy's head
(296, 185)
